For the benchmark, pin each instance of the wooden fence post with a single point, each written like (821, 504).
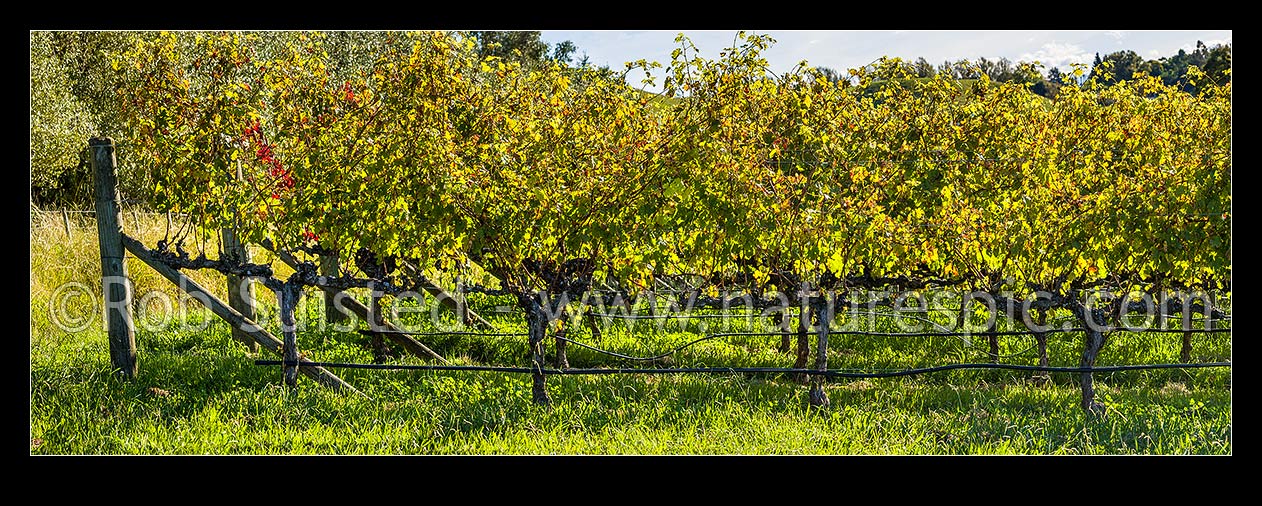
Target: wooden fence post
(329, 267)
(376, 322)
(1041, 339)
(563, 328)
(992, 338)
(287, 299)
(462, 305)
(804, 325)
(962, 319)
(1207, 323)
(240, 291)
(114, 281)
(592, 325)
(65, 222)
(781, 320)
(823, 308)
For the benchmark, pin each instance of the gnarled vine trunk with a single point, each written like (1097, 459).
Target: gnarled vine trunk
(1041, 337)
(822, 308)
(1185, 354)
(562, 361)
(1093, 342)
(992, 338)
(781, 320)
(804, 347)
(537, 327)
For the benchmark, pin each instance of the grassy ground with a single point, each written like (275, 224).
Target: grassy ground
(199, 393)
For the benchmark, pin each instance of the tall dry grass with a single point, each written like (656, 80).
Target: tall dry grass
(69, 263)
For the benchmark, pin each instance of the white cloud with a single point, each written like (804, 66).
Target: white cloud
(843, 49)
(1208, 43)
(1055, 54)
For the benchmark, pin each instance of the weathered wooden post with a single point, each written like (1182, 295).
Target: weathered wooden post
(1185, 354)
(804, 325)
(1041, 339)
(962, 318)
(781, 320)
(562, 325)
(114, 281)
(287, 298)
(991, 337)
(592, 324)
(240, 290)
(377, 322)
(65, 222)
(824, 308)
(329, 267)
(462, 309)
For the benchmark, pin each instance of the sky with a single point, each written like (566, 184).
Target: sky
(847, 49)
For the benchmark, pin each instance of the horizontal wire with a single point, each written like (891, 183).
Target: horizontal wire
(369, 332)
(781, 333)
(985, 333)
(833, 373)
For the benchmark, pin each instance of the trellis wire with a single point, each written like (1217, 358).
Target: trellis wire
(368, 332)
(839, 332)
(831, 373)
(88, 211)
(986, 333)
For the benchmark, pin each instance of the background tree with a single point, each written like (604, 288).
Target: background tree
(1054, 76)
(1122, 66)
(923, 68)
(60, 125)
(1218, 64)
(524, 47)
(563, 52)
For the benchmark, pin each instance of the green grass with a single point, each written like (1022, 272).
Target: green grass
(198, 392)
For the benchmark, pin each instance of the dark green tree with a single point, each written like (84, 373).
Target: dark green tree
(60, 127)
(923, 68)
(564, 52)
(1121, 66)
(1055, 77)
(522, 46)
(1218, 62)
